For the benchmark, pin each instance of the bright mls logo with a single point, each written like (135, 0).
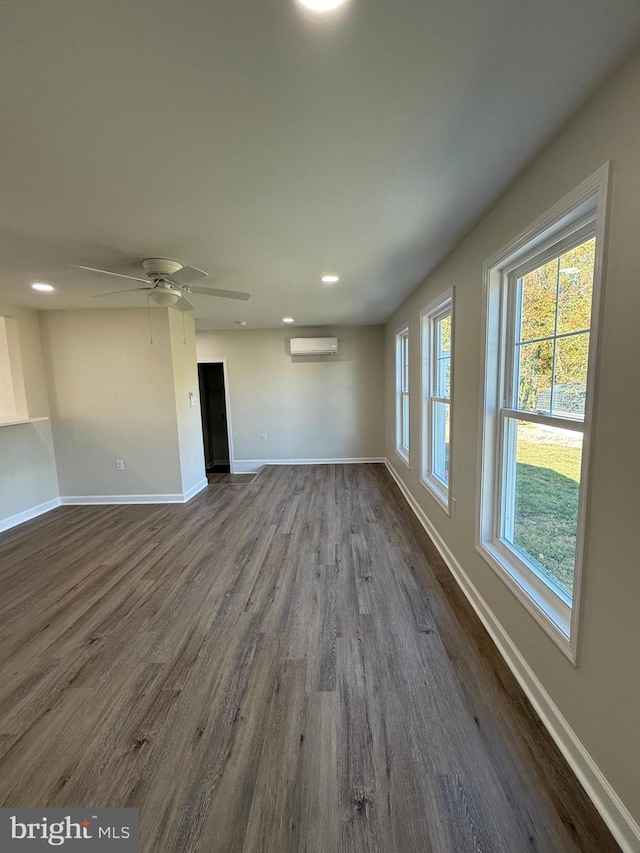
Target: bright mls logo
(83, 830)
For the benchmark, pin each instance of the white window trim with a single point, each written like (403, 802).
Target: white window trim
(588, 202)
(400, 335)
(444, 304)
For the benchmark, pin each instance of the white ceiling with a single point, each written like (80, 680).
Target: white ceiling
(269, 146)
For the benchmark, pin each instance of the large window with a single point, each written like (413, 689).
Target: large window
(402, 393)
(541, 311)
(437, 336)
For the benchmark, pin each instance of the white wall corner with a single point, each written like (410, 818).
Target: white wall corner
(28, 514)
(620, 821)
(193, 491)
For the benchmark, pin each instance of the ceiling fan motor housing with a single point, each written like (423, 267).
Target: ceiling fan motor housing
(160, 268)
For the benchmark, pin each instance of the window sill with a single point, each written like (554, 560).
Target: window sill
(552, 616)
(440, 495)
(403, 458)
(17, 421)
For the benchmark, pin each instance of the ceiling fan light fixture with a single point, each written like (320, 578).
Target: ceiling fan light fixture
(165, 298)
(322, 6)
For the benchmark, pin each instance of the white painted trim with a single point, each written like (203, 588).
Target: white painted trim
(251, 466)
(555, 218)
(18, 421)
(585, 207)
(615, 814)
(443, 304)
(402, 336)
(86, 500)
(403, 459)
(247, 466)
(194, 490)
(28, 514)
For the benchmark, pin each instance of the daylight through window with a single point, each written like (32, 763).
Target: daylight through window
(402, 393)
(543, 419)
(437, 329)
(542, 298)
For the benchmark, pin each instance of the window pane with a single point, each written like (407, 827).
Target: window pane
(570, 381)
(405, 363)
(443, 358)
(443, 377)
(535, 372)
(541, 491)
(402, 388)
(405, 421)
(538, 292)
(440, 442)
(576, 288)
(444, 335)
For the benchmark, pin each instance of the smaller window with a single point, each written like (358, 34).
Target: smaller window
(437, 349)
(402, 394)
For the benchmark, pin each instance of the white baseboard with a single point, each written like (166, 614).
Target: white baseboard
(621, 823)
(83, 500)
(178, 498)
(193, 491)
(28, 514)
(251, 466)
(105, 500)
(246, 466)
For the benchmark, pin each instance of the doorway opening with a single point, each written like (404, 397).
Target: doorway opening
(215, 426)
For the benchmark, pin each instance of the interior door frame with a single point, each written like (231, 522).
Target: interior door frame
(227, 404)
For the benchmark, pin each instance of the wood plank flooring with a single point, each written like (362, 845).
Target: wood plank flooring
(230, 479)
(284, 665)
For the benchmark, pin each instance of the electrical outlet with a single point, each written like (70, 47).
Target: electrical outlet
(263, 437)
(120, 464)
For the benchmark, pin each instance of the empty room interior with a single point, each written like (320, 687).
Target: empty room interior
(319, 409)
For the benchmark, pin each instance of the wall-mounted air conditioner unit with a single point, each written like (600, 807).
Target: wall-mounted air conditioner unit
(314, 346)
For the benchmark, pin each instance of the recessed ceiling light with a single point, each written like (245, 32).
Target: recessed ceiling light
(288, 320)
(240, 322)
(322, 5)
(41, 285)
(330, 279)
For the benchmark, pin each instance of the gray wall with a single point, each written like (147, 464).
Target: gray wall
(325, 407)
(601, 698)
(112, 396)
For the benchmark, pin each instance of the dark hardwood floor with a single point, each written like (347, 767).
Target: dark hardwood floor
(230, 479)
(278, 666)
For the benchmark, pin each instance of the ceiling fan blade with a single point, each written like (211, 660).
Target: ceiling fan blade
(214, 291)
(185, 305)
(108, 272)
(129, 290)
(186, 274)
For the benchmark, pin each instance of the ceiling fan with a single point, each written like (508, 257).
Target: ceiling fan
(167, 282)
